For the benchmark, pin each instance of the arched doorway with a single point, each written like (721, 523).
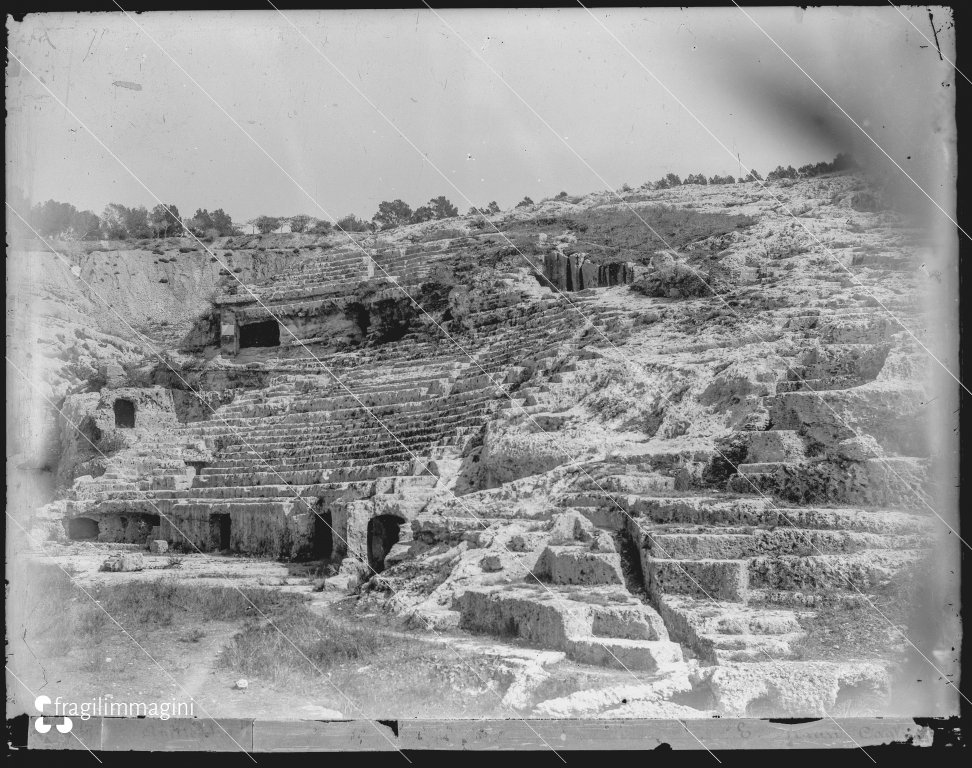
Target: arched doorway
(83, 529)
(124, 413)
(383, 532)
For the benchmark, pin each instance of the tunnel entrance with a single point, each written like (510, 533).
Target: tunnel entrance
(322, 545)
(383, 532)
(219, 532)
(265, 334)
(83, 529)
(124, 413)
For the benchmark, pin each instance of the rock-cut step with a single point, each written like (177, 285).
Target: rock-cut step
(732, 579)
(605, 626)
(625, 653)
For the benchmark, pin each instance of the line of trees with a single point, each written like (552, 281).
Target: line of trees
(842, 162)
(119, 222)
(493, 207)
(304, 224)
(670, 180)
(396, 213)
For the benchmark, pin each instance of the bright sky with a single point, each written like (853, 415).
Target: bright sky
(459, 115)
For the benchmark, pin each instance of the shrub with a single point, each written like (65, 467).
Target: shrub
(442, 208)
(668, 181)
(782, 173)
(352, 223)
(320, 227)
(266, 224)
(300, 222)
(392, 214)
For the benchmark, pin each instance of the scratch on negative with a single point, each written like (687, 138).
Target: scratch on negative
(931, 20)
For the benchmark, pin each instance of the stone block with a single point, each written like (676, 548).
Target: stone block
(578, 565)
(713, 579)
(124, 562)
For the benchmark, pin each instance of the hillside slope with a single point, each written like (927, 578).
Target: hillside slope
(699, 457)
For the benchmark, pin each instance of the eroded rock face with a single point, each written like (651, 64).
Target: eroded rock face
(513, 455)
(670, 278)
(578, 271)
(790, 690)
(893, 414)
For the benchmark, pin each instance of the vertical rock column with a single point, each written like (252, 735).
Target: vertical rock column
(228, 332)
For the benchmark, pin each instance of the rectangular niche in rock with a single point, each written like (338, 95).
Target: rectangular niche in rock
(220, 529)
(124, 413)
(263, 334)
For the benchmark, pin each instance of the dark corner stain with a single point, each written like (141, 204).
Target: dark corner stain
(393, 724)
(17, 728)
(793, 720)
(946, 731)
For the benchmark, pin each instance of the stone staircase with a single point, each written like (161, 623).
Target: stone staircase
(813, 516)
(574, 600)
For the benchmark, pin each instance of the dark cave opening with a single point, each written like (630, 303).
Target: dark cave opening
(263, 334)
(322, 544)
(220, 528)
(383, 533)
(124, 413)
(83, 529)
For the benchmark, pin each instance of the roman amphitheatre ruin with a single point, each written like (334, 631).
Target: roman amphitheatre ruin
(621, 479)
